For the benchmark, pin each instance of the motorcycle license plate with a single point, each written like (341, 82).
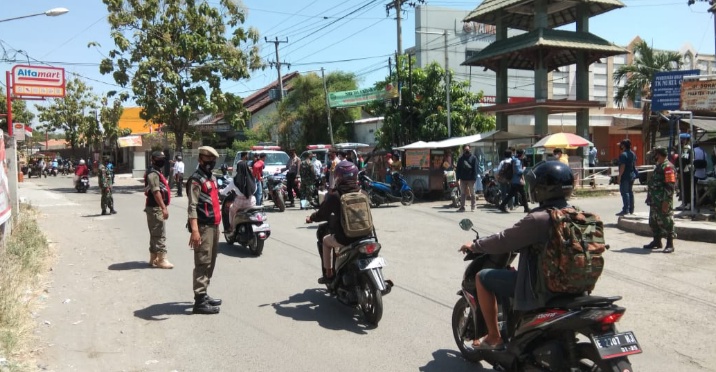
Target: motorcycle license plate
(262, 227)
(371, 263)
(616, 345)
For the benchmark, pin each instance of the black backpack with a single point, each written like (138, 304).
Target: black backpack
(505, 173)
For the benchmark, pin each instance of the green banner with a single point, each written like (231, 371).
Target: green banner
(360, 97)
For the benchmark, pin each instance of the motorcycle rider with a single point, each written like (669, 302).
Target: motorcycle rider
(80, 171)
(550, 184)
(244, 187)
(346, 180)
(54, 165)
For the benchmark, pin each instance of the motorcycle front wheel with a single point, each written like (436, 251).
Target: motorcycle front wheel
(370, 300)
(256, 246)
(228, 238)
(407, 197)
(588, 360)
(278, 201)
(463, 330)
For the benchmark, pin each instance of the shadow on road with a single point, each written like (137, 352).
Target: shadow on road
(162, 311)
(93, 215)
(234, 250)
(634, 250)
(450, 360)
(315, 305)
(131, 265)
(128, 189)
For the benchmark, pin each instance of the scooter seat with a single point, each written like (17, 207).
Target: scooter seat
(253, 209)
(571, 302)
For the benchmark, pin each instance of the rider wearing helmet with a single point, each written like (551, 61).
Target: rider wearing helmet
(80, 171)
(346, 180)
(550, 184)
(224, 169)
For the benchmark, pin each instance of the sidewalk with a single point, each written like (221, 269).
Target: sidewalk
(701, 228)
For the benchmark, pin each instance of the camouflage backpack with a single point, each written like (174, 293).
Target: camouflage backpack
(571, 262)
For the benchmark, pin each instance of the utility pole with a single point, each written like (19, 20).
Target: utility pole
(397, 5)
(447, 84)
(278, 63)
(328, 106)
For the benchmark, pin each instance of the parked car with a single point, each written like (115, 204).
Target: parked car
(274, 162)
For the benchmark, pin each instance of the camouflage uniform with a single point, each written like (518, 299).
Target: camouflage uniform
(661, 190)
(105, 186)
(308, 179)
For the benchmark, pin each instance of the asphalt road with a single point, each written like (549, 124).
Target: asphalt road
(105, 310)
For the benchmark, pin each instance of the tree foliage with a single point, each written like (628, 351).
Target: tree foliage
(302, 114)
(175, 53)
(638, 76)
(109, 117)
(74, 114)
(20, 113)
(423, 113)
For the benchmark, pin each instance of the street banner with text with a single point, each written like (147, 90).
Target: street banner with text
(362, 97)
(698, 95)
(666, 89)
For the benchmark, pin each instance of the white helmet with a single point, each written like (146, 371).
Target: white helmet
(82, 161)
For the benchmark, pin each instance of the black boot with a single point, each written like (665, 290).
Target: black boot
(112, 211)
(213, 301)
(655, 244)
(669, 245)
(201, 306)
(104, 212)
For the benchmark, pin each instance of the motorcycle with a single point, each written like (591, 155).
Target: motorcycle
(277, 190)
(83, 184)
(53, 171)
(222, 182)
(358, 279)
(491, 189)
(544, 339)
(382, 193)
(250, 227)
(451, 188)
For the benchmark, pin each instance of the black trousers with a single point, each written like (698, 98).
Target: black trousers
(291, 181)
(515, 189)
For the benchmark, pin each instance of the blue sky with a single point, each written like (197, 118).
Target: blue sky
(365, 37)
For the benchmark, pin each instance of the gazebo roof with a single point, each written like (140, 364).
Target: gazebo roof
(519, 14)
(559, 47)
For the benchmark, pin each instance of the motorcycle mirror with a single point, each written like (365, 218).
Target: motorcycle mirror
(466, 224)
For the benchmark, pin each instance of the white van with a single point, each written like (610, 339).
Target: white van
(274, 162)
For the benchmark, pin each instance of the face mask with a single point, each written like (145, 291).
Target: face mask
(209, 165)
(159, 163)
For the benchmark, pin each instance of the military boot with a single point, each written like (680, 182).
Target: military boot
(669, 245)
(153, 259)
(162, 261)
(112, 211)
(213, 301)
(202, 306)
(655, 244)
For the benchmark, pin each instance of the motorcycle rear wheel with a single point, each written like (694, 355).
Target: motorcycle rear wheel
(407, 197)
(370, 300)
(463, 330)
(588, 360)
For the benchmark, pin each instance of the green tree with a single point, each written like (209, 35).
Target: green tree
(20, 113)
(302, 115)
(73, 114)
(175, 53)
(423, 113)
(638, 76)
(109, 117)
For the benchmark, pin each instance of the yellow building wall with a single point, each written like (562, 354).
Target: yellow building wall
(130, 119)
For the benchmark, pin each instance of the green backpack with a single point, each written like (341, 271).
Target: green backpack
(571, 262)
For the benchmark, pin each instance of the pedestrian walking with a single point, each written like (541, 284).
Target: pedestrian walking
(204, 214)
(627, 169)
(104, 180)
(466, 173)
(517, 183)
(158, 194)
(292, 165)
(179, 174)
(660, 199)
(257, 170)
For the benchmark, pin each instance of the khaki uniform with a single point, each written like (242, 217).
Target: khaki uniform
(155, 219)
(661, 192)
(105, 185)
(205, 254)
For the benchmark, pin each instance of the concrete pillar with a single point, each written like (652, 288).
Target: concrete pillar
(541, 73)
(582, 73)
(501, 78)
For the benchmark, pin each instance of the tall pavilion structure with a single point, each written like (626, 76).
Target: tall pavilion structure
(542, 49)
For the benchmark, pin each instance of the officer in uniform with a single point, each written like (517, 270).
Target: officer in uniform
(105, 185)
(308, 177)
(157, 191)
(204, 217)
(660, 199)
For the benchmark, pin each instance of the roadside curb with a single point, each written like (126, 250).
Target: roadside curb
(700, 231)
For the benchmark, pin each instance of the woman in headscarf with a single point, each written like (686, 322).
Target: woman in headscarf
(244, 187)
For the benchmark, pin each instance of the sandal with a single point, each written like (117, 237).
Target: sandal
(486, 346)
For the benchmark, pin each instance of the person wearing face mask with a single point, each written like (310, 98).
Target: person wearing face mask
(660, 199)
(157, 191)
(466, 173)
(204, 217)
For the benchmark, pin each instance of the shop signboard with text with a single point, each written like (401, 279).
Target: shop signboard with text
(36, 81)
(666, 89)
(698, 95)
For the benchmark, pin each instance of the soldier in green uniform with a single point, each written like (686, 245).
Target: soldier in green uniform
(105, 185)
(660, 199)
(158, 195)
(308, 177)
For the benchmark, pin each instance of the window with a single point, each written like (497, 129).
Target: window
(688, 62)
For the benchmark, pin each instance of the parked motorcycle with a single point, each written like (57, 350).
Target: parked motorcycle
(491, 189)
(83, 184)
(382, 193)
(544, 339)
(358, 279)
(451, 188)
(250, 227)
(277, 190)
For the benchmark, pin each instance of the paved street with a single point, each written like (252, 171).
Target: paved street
(123, 316)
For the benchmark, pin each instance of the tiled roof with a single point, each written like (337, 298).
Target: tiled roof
(559, 47)
(260, 99)
(519, 14)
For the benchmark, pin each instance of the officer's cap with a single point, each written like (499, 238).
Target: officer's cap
(660, 151)
(208, 151)
(158, 154)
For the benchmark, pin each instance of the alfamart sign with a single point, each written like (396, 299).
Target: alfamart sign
(34, 81)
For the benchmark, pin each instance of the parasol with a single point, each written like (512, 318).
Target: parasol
(563, 140)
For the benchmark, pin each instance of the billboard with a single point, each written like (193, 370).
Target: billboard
(698, 95)
(666, 89)
(35, 81)
(352, 98)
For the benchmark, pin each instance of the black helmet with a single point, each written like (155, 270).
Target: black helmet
(224, 167)
(550, 180)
